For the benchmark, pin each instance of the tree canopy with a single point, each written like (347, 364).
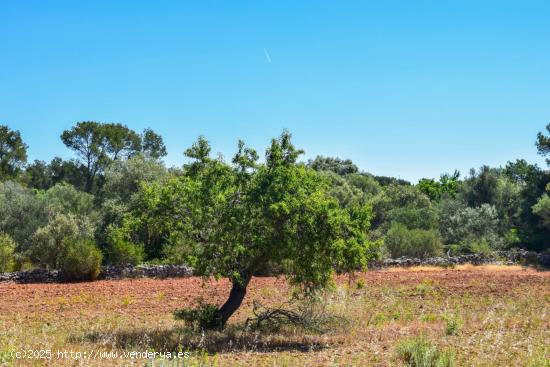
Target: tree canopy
(543, 143)
(13, 152)
(232, 220)
(99, 144)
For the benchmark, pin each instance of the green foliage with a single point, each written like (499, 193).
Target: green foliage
(397, 196)
(420, 352)
(364, 182)
(481, 187)
(7, 250)
(123, 177)
(50, 243)
(416, 243)
(99, 144)
(339, 166)
(542, 209)
(153, 145)
(236, 225)
(121, 250)
(521, 171)
(21, 213)
(231, 221)
(447, 186)
(202, 317)
(543, 143)
(80, 260)
(386, 181)
(64, 198)
(234, 219)
(13, 153)
(453, 324)
(42, 176)
(470, 226)
(346, 194)
(414, 218)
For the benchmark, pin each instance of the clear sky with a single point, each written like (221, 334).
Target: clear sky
(404, 88)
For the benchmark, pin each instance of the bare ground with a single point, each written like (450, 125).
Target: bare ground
(502, 312)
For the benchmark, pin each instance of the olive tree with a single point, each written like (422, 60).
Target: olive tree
(232, 220)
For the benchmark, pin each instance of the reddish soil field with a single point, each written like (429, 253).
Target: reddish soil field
(502, 315)
(37, 300)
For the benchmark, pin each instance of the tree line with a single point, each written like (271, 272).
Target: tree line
(117, 203)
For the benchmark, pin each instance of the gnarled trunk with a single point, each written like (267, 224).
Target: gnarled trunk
(235, 300)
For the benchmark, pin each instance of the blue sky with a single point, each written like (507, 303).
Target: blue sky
(404, 88)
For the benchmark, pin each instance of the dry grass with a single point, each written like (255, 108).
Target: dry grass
(488, 316)
(463, 267)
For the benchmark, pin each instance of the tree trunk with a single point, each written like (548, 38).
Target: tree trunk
(236, 297)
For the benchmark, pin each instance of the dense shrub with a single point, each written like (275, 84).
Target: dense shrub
(542, 209)
(397, 196)
(339, 166)
(414, 218)
(467, 225)
(366, 183)
(21, 213)
(80, 260)
(346, 194)
(417, 243)
(64, 198)
(204, 316)
(121, 250)
(7, 249)
(123, 177)
(49, 243)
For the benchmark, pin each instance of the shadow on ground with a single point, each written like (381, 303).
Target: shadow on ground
(178, 339)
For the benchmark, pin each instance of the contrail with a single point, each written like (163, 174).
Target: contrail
(267, 56)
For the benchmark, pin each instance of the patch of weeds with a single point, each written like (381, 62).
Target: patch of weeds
(128, 301)
(420, 352)
(540, 358)
(6, 354)
(379, 319)
(430, 317)
(425, 288)
(360, 284)
(453, 325)
(267, 292)
(396, 315)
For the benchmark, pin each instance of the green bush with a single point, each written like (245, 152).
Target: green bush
(420, 352)
(81, 260)
(453, 325)
(7, 249)
(476, 246)
(50, 241)
(414, 218)
(468, 225)
(416, 243)
(66, 244)
(121, 251)
(204, 316)
(65, 198)
(21, 212)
